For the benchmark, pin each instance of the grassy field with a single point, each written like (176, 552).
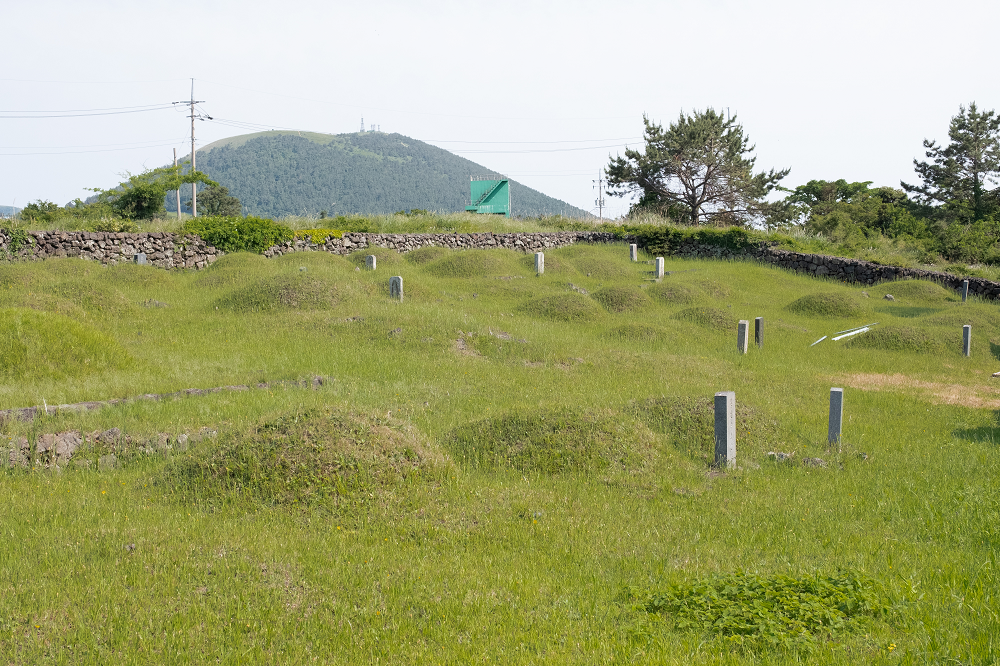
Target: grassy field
(503, 468)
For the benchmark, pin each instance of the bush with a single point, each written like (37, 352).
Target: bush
(238, 234)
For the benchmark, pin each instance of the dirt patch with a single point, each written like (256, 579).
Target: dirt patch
(938, 393)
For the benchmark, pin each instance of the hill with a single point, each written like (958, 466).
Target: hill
(7, 211)
(302, 173)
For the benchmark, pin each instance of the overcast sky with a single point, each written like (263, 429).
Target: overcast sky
(542, 91)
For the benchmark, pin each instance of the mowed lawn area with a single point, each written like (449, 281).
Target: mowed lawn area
(503, 468)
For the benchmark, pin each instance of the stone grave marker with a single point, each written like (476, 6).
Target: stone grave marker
(725, 429)
(758, 332)
(743, 336)
(967, 340)
(539, 263)
(836, 415)
(633, 252)
(396, 287)
(370, 262)
(659, 267)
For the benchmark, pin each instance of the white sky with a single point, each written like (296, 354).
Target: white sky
(832, 90)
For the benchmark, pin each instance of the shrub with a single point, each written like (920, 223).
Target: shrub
(238, 234)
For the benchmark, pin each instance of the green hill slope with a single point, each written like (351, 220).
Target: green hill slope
(292, 173)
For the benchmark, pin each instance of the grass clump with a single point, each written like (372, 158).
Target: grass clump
(898, 338)
(296, 291)
(763, 612)
(37, 345)
(689, 425)
(673, 293)
(623, 298)
(713, 318)
(562, 307)
(238, 234)
(826, 305)
(550, 441)
(312, 457)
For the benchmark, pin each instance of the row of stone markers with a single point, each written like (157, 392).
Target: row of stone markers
(395, 282)
(743, 334)
(725, 425)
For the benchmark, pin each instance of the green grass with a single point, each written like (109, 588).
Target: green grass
(499, 469)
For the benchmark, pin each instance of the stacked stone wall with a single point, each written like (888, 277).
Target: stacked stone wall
(168, 250)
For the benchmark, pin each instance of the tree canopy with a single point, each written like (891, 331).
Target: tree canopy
(956, 176)
(699, 170)
(141, 196)
(218, 201)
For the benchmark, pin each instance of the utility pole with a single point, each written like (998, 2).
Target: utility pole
(178, 190)
(194, 167)
(599, 184)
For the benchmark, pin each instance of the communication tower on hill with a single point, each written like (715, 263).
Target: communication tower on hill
(489, 195)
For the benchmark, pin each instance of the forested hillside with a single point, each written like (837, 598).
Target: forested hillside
(290, 173)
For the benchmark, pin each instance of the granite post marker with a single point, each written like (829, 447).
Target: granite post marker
(836, 416)
(370, 262)
(725, 429)
(758, 332)
(633, 252)
(139, 258)
(967, 340)
(965, 290)
(743, 336)
(396, 287)
(659, 267)
(539, 263)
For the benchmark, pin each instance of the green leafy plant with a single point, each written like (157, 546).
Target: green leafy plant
(772, 611)
(239, 234)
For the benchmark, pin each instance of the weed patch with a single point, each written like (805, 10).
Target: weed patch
(621, 299)
(760, 613)
(713, 318)
(551, 441)
(826, 305)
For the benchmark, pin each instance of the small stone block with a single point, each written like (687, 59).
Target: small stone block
(633, 252)
(396, 287)
(659, 267)
(539, 263)
(967, 340)
(758, 332)
(725, 429)
(965, 290)
(743, 336)
(370, 262)
(836, 415)
(140, 258)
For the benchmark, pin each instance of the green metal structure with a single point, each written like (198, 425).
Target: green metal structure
(489, 195)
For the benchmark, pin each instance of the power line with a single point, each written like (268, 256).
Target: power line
(80, 152)
(624, 138)
(93, 145)
(547, 150)
(95, 112)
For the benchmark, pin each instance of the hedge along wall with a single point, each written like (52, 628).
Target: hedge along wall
(167, 250)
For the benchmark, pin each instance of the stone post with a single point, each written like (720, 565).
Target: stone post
(743, 336)
(371, 262)
(965, 290)
(396, 287)
(633, 252)
(659, 267)
(140, 259)
(836, 415)
(725, 429)
(758, 332)
(967, 340)
(540, 263)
